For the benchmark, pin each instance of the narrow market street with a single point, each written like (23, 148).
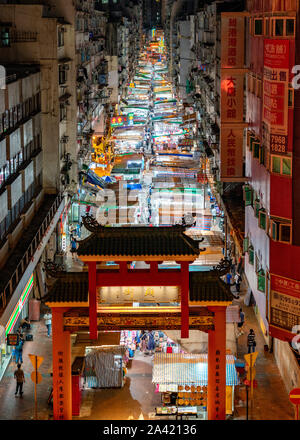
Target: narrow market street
(156, 156)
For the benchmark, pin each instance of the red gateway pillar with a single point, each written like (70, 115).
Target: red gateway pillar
(216, 391)
(93, 299)
(62, 378)
(185, 286)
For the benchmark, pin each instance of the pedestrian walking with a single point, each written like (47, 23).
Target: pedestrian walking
(144, 338)
(214, 214)
(251, 341)
(48, 323)
(78, 230)
(73, 247)
(25, 323)
(151, 343)
(20, 378)
(13, 354)
(241, 323)
(228, 278)
(237, 280)
(19, 352)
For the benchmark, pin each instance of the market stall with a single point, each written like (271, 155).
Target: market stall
(104, 367)
(182, 379)
(132, 340)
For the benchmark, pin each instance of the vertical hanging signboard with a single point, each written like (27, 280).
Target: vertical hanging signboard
(232, 96)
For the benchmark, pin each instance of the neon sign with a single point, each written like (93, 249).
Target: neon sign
(20, 304)
(118, 121)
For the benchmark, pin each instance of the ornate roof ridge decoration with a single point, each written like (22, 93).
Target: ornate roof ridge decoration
(223, 267)
(193, 243)
(54, 270)
(91, 224)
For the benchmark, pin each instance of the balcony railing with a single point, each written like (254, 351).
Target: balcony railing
(14, 270)
(23, 36)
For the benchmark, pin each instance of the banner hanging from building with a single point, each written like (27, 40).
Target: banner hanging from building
(232, 38)
(232, 96)
(275, 94)
(231, 151)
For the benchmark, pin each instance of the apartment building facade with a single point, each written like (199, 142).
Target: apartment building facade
(45, 46)
(272, 166)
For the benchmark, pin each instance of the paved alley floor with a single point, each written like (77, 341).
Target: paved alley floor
(137, 399)
(22, 408)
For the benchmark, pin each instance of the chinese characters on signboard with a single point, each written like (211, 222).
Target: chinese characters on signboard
(275, 94)
(12, 339)
(217, 384)
(147, 294)
(60, 387)
(232, 48)
(232, 150)
(232, 97)
(284, 307)
(129, 321)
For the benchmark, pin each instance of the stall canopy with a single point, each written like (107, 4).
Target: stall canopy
(188, 369)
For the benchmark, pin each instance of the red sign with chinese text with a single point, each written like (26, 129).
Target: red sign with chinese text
(276, 79)
(276, 53)
(285, 285)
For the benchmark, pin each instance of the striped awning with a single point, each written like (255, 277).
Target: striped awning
(188, 369)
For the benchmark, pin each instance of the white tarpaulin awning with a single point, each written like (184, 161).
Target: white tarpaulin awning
(188, 369)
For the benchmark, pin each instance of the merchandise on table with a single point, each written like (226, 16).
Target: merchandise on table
(179, 373)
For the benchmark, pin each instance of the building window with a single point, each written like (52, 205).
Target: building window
(247, 195)
(5, 37)
(60, 37)
(256, 207)
(262, 158)
(261, 281)
(279, 24)
(62, 113)
(4, 173)
(290, 27)
(276, 164)
(262, 219)
(285, 233)
(281, 165)
(286, 166)
(256, 146)
(281, 230)
(251, 255)
(62, 73)
(258, 26)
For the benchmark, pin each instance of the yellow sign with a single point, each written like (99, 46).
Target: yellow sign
(251, 374)
(36, 360)
(251, 358)
(36, 377)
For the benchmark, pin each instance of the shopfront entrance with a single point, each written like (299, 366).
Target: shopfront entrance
(76, 305)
